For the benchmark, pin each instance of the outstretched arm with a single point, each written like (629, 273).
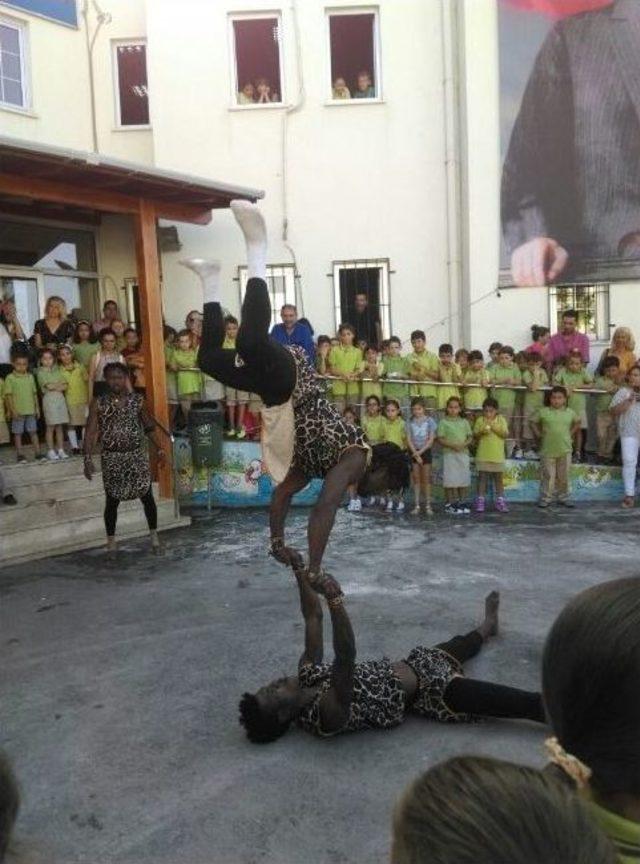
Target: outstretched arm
(336, 702)
(312, 614)
(280, 503)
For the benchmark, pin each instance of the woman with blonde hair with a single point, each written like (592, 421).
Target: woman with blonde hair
(55, 328)
(622, 347)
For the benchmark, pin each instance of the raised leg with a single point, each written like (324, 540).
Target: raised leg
(468, 696)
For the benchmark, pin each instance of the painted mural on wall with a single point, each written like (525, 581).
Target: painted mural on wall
(241, 480)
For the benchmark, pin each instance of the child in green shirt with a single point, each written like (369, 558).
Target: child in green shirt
(395, 366)
(572, 375)
(454, 435)
(395, 432)
(556, 427)
(373, 426)
(184, 362)
(606, 427)
(345, 362)
(535, 379)
(423, 365)
(76, 394)
(448, 373)
(475, 373)
(506, 373)
(490, 431)
(233, 398)
(84, 345)
(21, 400)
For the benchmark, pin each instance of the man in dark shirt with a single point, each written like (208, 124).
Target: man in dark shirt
(365, 321)
(294, 332)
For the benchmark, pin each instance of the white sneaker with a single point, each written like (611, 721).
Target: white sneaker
(400, 507)
(372, 501)
(52, 456)
(389, 507)
(355, 505)
(517, 453)
(530, 454)
(62, 454)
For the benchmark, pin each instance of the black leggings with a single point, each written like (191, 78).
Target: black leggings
(468, 696)
(111, 512)
(267, 369)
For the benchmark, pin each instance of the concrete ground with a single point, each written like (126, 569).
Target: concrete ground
(119, 683)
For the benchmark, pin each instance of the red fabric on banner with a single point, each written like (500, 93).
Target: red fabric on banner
(560, 8)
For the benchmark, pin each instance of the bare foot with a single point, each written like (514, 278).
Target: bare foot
(251, 220)
(489, 626)
(112, 549)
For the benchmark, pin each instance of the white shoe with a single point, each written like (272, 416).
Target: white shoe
(517, 453)
(62, 454)
(400, 507)
(389, 507)
(416, 510)
(355, 505)
(372, 501)
(530, 454)
(52, 456)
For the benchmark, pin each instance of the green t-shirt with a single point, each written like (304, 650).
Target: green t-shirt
(475, 396)
(49, 376)
(556, 426)
(604, 400)
(24, 392)
(506, 399)
(3, 416)
(84, 351)
(577, 401)
(623, 833)
(428, 362)
(371, 388)
(455, 430)
(534, 399)
(395, 432)
(392, 367)
(189, 382)
(345, 360)
(373, 428)
(448, 374)
(76, 376)
(491, 445)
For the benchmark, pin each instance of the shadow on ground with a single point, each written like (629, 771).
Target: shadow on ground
(120, 682)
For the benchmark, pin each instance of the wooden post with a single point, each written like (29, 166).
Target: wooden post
(153, 338)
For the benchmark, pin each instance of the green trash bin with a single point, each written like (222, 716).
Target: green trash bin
(205, 425)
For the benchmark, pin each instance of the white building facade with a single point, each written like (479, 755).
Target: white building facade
(396, 193)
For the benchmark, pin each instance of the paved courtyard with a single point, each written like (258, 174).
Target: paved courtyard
(119, 683)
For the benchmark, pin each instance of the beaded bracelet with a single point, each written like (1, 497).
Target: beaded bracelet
(335, 602)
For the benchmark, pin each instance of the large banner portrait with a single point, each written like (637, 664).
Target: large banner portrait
(570, 136)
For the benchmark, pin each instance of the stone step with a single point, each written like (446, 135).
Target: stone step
(66, 507)
(64, 487)
(61, 537)
(27, 474)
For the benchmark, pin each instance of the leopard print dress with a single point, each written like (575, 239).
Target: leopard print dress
(321, 435)
(378, 698)
(125, 461)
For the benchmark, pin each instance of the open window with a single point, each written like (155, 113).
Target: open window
(368, 279)
(589, 302)
(257, 62)
(13, 78)
(354, 55)
(132, 91)
(281, 281)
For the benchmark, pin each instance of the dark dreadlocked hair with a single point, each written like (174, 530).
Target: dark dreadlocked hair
(261, 726)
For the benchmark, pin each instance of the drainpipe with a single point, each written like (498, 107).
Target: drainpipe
(288, 111)
(102, 18)
(450, 33)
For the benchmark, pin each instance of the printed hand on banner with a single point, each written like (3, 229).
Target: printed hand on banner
(538, 262)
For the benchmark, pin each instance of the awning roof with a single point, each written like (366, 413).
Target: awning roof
(90, 177)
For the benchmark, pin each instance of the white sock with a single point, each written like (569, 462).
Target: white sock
(251, 221)
(211, 283)
(73, 438)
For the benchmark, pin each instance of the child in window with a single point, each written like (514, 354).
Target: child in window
(234, 399)
(340, 89)
(76, 394)
(373, 368)
(350, 416)
(423, 365)
(394, 366)
(247, 96)
(394, 432)
(606, 428)
(556, 427)
(184, 363)
(477, 375)
(345, 362)
(21, 397)
(449, 373)
(263, 91)
(365, 88)
(422, 432)
(490, 432)
(454, 436)
(535, 379)
(54, 405)
(506, 373)
(574, 374)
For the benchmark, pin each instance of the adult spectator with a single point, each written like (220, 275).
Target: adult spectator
(622, 345)
(193, 323)
(475, 810)
(591, 687)
(110, 313)
(365, 321)
(56, 328)
(568, 339)
(294, 332)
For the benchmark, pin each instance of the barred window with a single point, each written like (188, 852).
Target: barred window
(282, 280)
(362, 277)
(591, 304)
